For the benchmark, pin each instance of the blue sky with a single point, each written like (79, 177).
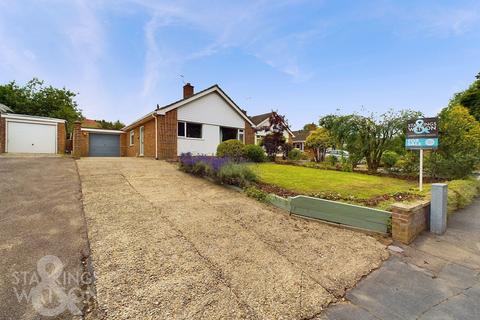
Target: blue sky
(303, 58)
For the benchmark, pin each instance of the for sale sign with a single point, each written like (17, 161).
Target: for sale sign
(422, 133)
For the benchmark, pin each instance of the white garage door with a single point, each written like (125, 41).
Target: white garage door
(26, 137)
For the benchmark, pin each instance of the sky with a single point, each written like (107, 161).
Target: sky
(305, 59)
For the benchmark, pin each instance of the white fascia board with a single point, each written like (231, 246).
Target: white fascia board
(102, 130)
(214, 89)
(138, 121)
(14, 116)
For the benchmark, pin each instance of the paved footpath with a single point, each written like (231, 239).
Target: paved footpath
(437, 277)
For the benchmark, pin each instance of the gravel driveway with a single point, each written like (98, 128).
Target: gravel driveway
(166, 245)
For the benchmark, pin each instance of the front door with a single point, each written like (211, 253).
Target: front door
(142, 129)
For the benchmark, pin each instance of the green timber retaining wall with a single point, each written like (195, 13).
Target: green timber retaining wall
(337, 212)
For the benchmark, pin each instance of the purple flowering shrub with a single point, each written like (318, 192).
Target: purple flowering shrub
(189, 163)
(222, 169)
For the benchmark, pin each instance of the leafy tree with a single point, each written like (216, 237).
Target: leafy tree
(459, 146)
(318, 141)
(310, 127)
(469, 98)
(36, 99)
(117, 125)
(368, 136)
(274, 140)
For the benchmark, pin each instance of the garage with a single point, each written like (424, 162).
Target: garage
(29, 134)
(102, 142)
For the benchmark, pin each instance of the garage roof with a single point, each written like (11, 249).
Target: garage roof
(4, 108)
(31, 118)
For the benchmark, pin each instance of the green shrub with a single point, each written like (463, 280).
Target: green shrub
(331, 160)
(390, 158)
(295, 154)
(256, 193)
(236, 174)
(254, 153)
(232, 149)
(461, 193)
(409, 163)
(346, 165)
(455, 166)
(201, 169)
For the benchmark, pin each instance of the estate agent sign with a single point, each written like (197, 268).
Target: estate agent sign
(422, 134)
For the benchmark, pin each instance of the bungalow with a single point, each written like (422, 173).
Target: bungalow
(300, 138)
(197, 124)
(262, 121)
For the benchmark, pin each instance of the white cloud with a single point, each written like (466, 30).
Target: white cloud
(248, 26)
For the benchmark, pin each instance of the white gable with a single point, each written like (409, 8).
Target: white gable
(211, 109)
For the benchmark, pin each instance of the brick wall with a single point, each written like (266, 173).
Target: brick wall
(123, 144)
(61, 138)
(409, 220)
(84, 144)
(249, 133)
(2, 135)
(77, 139)
(149, 140)
(167, 136)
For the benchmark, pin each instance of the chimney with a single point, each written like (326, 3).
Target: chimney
(187, 91)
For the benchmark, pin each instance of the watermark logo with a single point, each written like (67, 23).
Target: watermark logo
(50, 289)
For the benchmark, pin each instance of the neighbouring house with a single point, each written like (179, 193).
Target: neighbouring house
(299, 139)
(31, 134)
(263, 120)
(90, 123)
(197, 123)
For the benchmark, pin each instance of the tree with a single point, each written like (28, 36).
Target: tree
(274, 140)
(117, 125)
(368, 136)
(36, 99)
(459, 146)
(469, 98)
(310, 127)
(318, 141)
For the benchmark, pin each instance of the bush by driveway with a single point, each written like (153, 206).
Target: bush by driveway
(169, 245)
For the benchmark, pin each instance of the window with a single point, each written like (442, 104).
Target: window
(227, 133)
(189, 130)
(258, 139)
(181, 129)
(241, 135)
(131, 137)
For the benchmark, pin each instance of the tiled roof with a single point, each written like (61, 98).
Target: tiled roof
(259, 118)
(301, 135)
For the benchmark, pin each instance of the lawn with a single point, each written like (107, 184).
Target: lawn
(347, 184)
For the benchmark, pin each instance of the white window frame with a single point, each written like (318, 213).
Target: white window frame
(241, 132)
(132, 136)
(185, 123)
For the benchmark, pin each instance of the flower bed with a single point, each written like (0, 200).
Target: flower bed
(221, 169)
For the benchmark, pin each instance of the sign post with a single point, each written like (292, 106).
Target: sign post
(422, 134)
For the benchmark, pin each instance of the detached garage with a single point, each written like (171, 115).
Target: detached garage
(31, 134)
(100, 142)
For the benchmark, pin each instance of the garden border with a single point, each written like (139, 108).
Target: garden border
(369, 219)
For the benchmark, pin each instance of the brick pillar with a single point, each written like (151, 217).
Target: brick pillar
(249, 133)
(409, 220)
(77, 140)
(2, 135)
(167, 136)
(61, 138)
